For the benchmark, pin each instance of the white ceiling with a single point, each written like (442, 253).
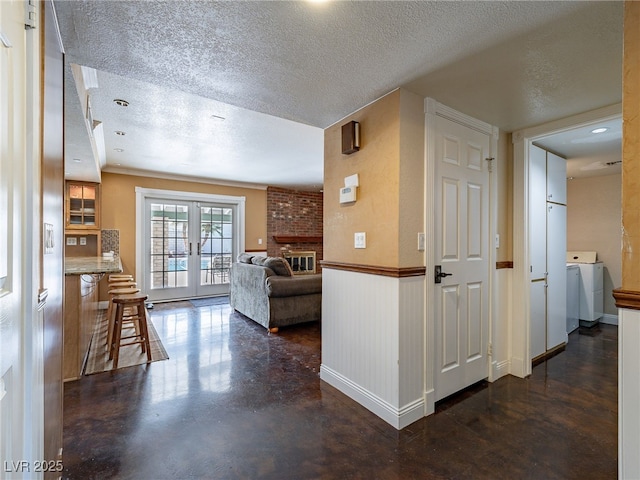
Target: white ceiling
(281, 72)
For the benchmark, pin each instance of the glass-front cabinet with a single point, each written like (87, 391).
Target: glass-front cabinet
(82, 219)
(83, 206)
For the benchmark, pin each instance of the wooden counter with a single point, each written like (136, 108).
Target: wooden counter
(82, 276)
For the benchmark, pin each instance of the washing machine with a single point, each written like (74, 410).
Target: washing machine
(573, 297)
(591, 286)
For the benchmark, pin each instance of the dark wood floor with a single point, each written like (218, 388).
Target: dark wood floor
(233, 402)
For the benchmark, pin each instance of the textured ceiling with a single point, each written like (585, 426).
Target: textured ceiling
(511, 64)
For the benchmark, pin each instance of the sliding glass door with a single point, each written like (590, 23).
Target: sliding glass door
(189, 248)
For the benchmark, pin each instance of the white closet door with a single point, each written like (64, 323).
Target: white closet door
(556, 179)
(537, 213)
(557, 275)
(537, 339)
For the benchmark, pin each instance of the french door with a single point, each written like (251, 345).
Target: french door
(188, 248)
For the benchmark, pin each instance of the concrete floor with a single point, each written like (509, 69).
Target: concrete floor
(233, 402)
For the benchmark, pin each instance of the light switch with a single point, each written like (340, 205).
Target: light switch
(72, 241)
(83, 240)
(421, 242)
(360, 240)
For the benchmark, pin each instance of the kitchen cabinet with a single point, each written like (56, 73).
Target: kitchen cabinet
(80, 314)
(82, 206)
(82, 219)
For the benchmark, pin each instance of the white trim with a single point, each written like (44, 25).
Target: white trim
(569, 123)
(499, 369)
(458, 117)
(609, 319)
(184, 178)
(143, 193)
(398, 418)
(522, 140)
(430, 108)
(628, 393)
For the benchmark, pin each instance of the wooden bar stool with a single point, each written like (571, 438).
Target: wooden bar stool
(125, 284)
(118, 277)
(110, 310)
(136, 312)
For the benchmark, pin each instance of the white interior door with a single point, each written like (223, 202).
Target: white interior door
(462, 251)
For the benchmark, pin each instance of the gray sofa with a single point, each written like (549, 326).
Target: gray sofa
(265, 290)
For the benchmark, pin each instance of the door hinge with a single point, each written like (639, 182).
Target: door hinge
(30, 14)
(490, 163)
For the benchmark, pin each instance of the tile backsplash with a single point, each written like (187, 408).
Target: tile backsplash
(111, 241)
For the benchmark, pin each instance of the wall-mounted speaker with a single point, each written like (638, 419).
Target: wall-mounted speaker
(350, 137)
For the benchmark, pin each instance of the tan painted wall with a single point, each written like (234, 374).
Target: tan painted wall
(119, 201)
(504, 185)
(389, 206)
(631, 148)
(594, 224)
(411, 208)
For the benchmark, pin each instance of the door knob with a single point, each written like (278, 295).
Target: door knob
(440, 274)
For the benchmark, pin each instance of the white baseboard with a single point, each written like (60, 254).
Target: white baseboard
(518, 367)
(429, 402)
(609, 319)
(398, 418)
(499, 369)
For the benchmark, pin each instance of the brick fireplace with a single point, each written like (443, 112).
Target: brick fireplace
(294, 222)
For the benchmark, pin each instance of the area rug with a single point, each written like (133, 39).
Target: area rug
(207, 302)
(130, 355)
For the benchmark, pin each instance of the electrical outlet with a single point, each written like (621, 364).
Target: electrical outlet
(360, 240)
(83, 240)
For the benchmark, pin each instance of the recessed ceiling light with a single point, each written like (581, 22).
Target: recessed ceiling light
(121, 103)
(119, 150)
(120, 132)
(599, 130)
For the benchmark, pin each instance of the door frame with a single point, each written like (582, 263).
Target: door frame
(142, 194)
(434, 109)
(520, 321)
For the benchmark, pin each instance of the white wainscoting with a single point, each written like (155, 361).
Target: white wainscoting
(502, 299)
(373, 342)
(628, 393)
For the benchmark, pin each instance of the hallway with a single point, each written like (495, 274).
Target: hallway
(233, 402)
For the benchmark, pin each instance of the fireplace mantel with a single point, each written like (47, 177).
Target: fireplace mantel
(297, 239)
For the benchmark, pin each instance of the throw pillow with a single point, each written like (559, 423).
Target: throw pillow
(245, 258)
(279, 266)
(258, 260)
